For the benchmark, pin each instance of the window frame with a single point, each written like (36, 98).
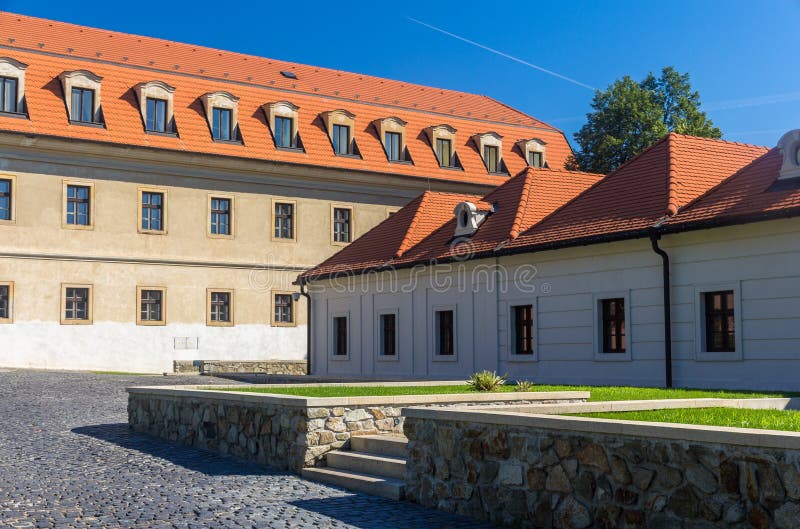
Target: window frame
(352, 237)
(332, 334)
(701, 352)
(350, 151)
(81, 90)
(486, 158)
(531, 155)
(292, 140)
(157, 100)
(89, 307)
(380, 356)
(513, 355)
(387, 145)
(139, 321)
(439, 154)
(10, 318)
(12, 203)
(436, 356)
(273, 216)
(597, 346)
(66, 184)
(140, 210)
(292, 307)
(3, 80)
(231, 306)
(231, 128)
(231, 216)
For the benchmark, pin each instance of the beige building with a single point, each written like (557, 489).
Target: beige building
(158, 199)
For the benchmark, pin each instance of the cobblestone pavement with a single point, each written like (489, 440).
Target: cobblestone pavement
(68, 460)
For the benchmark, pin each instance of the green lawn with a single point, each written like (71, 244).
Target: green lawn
(598, 393)
(735, 417)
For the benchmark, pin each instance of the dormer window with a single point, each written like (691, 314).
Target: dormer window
(533, 150)
(83, 96)
(442, 138)
(392, 131)
(789, 145)
(156, 107)
(490, 145)
(340, 125)
(222, 113)
(282, 118)
(468, 219)
(12, 86)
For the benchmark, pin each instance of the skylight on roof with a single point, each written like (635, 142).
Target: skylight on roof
(290, 75)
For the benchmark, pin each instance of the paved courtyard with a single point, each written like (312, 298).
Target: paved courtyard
(68, 460)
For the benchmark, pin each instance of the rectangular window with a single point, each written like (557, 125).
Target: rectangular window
(445, 333)
(388, 334)
(392, 140)
(341, 225)
(151, 306)
(536, 159)
(82, 105)
(79, 205)
(220, 307)
(341, 139)
(6, 300)
(491, 157)
(283, 132)
(5, 199)
(283, 309)
(523, 329)
(613, 322)
(8, 94)
(340, 336)
(444, 152)
(152, 211)
(221, 124)
(220, 212)
(77, 304)
(284, 221)
(156, 113)
(720, 322)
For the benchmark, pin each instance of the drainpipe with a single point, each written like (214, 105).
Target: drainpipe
(654, 238)
(303, 292)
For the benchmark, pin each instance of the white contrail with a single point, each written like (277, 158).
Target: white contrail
(773, 99)
(506, 55)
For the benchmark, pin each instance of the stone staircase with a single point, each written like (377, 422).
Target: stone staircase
(375, 464)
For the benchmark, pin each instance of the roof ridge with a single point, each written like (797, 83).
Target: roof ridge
(719, 140)
(556, 129)
(522, 204)
(405, 244)
(672, 177)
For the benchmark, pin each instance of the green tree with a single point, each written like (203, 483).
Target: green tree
(628, 117)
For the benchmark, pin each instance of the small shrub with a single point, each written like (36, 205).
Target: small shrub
(523, 385)
(486, 381)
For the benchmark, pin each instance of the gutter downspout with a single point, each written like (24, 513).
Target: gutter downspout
(655, 236)
(305, 294)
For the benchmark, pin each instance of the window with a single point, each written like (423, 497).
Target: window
(536, 159)
(392, 142)
(6, 188)
(445, 333)
(388, 334)
(6, 300)
(341, 225)
(78, 210)
(283, 312)
(283, 132)
(340, 336)
(284, 220)
(341, 139)
(720, 321)
(82, 105)
(490, 156)
(76, 304)
(444, 152)
(613, 325)
(221, 124)
(220, 216)
(8, 95)
(220, 307)
(152, 212)
(523, 329)
(151, 306)
(156, 113)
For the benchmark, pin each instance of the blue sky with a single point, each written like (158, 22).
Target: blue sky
(743, 57)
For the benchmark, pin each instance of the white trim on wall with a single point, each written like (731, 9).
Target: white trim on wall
(597, 338)
(435, 357)
(701, 355)
(379, 356)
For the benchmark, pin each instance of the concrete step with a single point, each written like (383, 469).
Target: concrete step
(367, 463)
(385, 445)
(376, 485)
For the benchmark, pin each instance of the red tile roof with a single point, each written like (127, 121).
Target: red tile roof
(680, 182)
(50, 48)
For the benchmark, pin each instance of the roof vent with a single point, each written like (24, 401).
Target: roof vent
(468, 219)
(789, 145)
(288, 74)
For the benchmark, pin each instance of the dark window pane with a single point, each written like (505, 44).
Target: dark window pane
(5, 199)
(341, 139)
(388, 334)
(283, 308)
(341, 225)
(613, 325)
(392, 140)
(151, 307)
(78, 205)
(720, 321)
(490, 156)
(5, 302)
(221, 124)
(152, 211)
(8, 94)
(445, 337)
(283, 132)
(535, 159)
(76, 304)
(82, 105)
(444, 152)
(340, 336)
(156, 115)
(284, 221)
(523, 329)
(220, 216)
(221, 306)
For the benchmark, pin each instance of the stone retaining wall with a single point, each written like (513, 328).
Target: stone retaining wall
(266, 367)
(559, 472)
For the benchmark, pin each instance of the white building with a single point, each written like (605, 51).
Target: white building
(547, 280)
